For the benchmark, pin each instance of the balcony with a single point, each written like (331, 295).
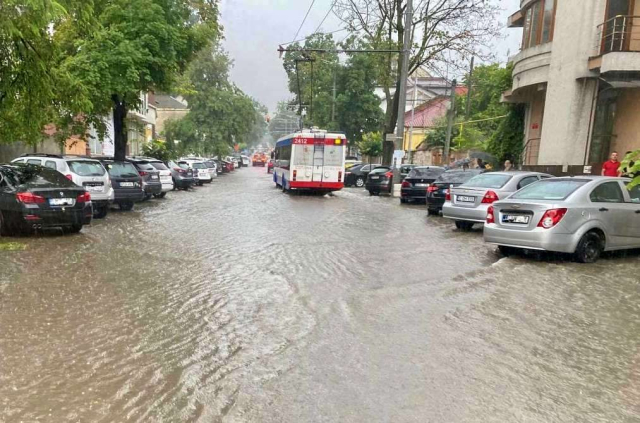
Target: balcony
(617, 46)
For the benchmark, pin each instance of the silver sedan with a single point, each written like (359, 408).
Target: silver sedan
(583, 216)
(468, 203)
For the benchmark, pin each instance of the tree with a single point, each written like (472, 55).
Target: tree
(445, 32)
(158, 150)
(34, 91)
(371, 144)
(136, 46)
(506, 143)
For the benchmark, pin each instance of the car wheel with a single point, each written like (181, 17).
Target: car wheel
(464, 226)
(589, 248)
(403, 201)
(101, 213)
(4, 226)
(127, 206)
(161, 195)
(73, 229)
(360, 182)
(432, 212)
(506, 251)
(371, 193)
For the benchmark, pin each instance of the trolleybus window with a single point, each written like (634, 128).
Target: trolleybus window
(333, 155)
(283, 156)
(303, 155)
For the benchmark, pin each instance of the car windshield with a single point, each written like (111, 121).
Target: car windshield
(159, 166)
(425, 172)
(86, 168)
(457, 177)
(550, 189)
(144, 166)
(488, 180)
(121, 169)
(32, 176)
(380, 170)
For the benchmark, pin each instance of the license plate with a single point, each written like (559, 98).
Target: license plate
(126, 184)
(422, 185)
(61, 201)
(465, 199)
(154, 176)
(509, 218)
(375, 177)
(97, 188)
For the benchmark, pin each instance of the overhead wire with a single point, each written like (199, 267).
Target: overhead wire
(305, 19)
(325, 17)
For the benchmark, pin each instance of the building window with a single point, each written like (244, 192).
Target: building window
(539, 23)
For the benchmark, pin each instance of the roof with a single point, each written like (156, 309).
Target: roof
(165, 101)
(427, 114)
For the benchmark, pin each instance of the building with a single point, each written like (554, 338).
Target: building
(169, 108)
(428, 87)
(578, 72)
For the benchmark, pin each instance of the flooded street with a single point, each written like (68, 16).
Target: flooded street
(239, 303)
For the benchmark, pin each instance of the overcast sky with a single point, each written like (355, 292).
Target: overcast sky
(254, 28)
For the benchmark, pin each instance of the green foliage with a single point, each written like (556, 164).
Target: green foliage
(158, 150)
(631, 167)
(506, 143)
(371, 144)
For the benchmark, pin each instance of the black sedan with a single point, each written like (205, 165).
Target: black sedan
(439, 189)
(34, 197)
(380, 180)
(414, 186)
(357, 175)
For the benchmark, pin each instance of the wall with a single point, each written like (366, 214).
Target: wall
(163, 115)
(627, 125)
(534, 124)
(9, 152)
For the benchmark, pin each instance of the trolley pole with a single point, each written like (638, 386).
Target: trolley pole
(402, 97)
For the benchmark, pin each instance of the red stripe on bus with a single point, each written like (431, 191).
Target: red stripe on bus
(332, 185)
(311, 141)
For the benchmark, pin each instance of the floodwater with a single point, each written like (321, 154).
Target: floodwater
(239, 303)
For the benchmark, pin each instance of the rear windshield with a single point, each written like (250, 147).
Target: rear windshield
(121, 169)
(210, 164)
(380, 170)
(457, 177)
(159, 166)
(144, 166)
(425, 172)
(549, 189)
(198, 166)
(31, 176)
(86, 168)
(488, 180)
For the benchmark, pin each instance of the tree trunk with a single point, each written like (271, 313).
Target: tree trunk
(119, 128)
(390, 128)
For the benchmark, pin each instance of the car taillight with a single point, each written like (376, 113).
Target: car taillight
(447, 195)
(179, 170)
(432, 188)
(69, 177)
(551, 218)
(29, 198)
(142, 173)
(490, 217)
(83, 198)
(340, 176)
(490, 197)
(406, 184)
(295, 174)
(389, 174)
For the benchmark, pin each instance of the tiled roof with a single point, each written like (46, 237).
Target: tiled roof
(164, 101)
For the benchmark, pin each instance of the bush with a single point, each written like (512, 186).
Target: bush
(158, 150)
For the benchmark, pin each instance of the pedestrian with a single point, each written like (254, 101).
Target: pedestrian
(508, 166)
(612, 166)
(480, 164)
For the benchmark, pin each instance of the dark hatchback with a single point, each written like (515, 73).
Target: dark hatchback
(415, 185)
(126, 182)
(151, 184)
(439, 189)
(34, 197)
(379, 180)
(357, 175)
(181, 174)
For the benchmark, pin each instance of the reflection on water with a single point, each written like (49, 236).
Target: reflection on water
(239, 302)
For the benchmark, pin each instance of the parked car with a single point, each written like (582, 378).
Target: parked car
(181, 175)
(439, 190)
(212, 167)
(270, 165)
(166, 177)
(234, 161)
(348, 164)
(415, 185)
(219, 166)
(83, 171)
(37, 197)
(357, 175)
(126, 182)
(151, 184)
(246, 161)
(405, 169)
(201, 173)
(582, 215)
(228, 165)
(379, 180)
(469, 202)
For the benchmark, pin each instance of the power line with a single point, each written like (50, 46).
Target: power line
(325, 17)
(305, 19)
(315, 33)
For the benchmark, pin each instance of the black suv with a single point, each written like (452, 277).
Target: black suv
(151, 184)
(126, 182)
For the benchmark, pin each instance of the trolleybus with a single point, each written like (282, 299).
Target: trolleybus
(310, 160)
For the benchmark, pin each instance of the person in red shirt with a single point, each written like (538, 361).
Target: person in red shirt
(612, 166)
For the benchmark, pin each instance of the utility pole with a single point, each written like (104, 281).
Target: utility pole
(452, 113)
(333, 105)
(311, 103)
(413, 115)
(299, 96)
(469, 87)
(402, 97)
